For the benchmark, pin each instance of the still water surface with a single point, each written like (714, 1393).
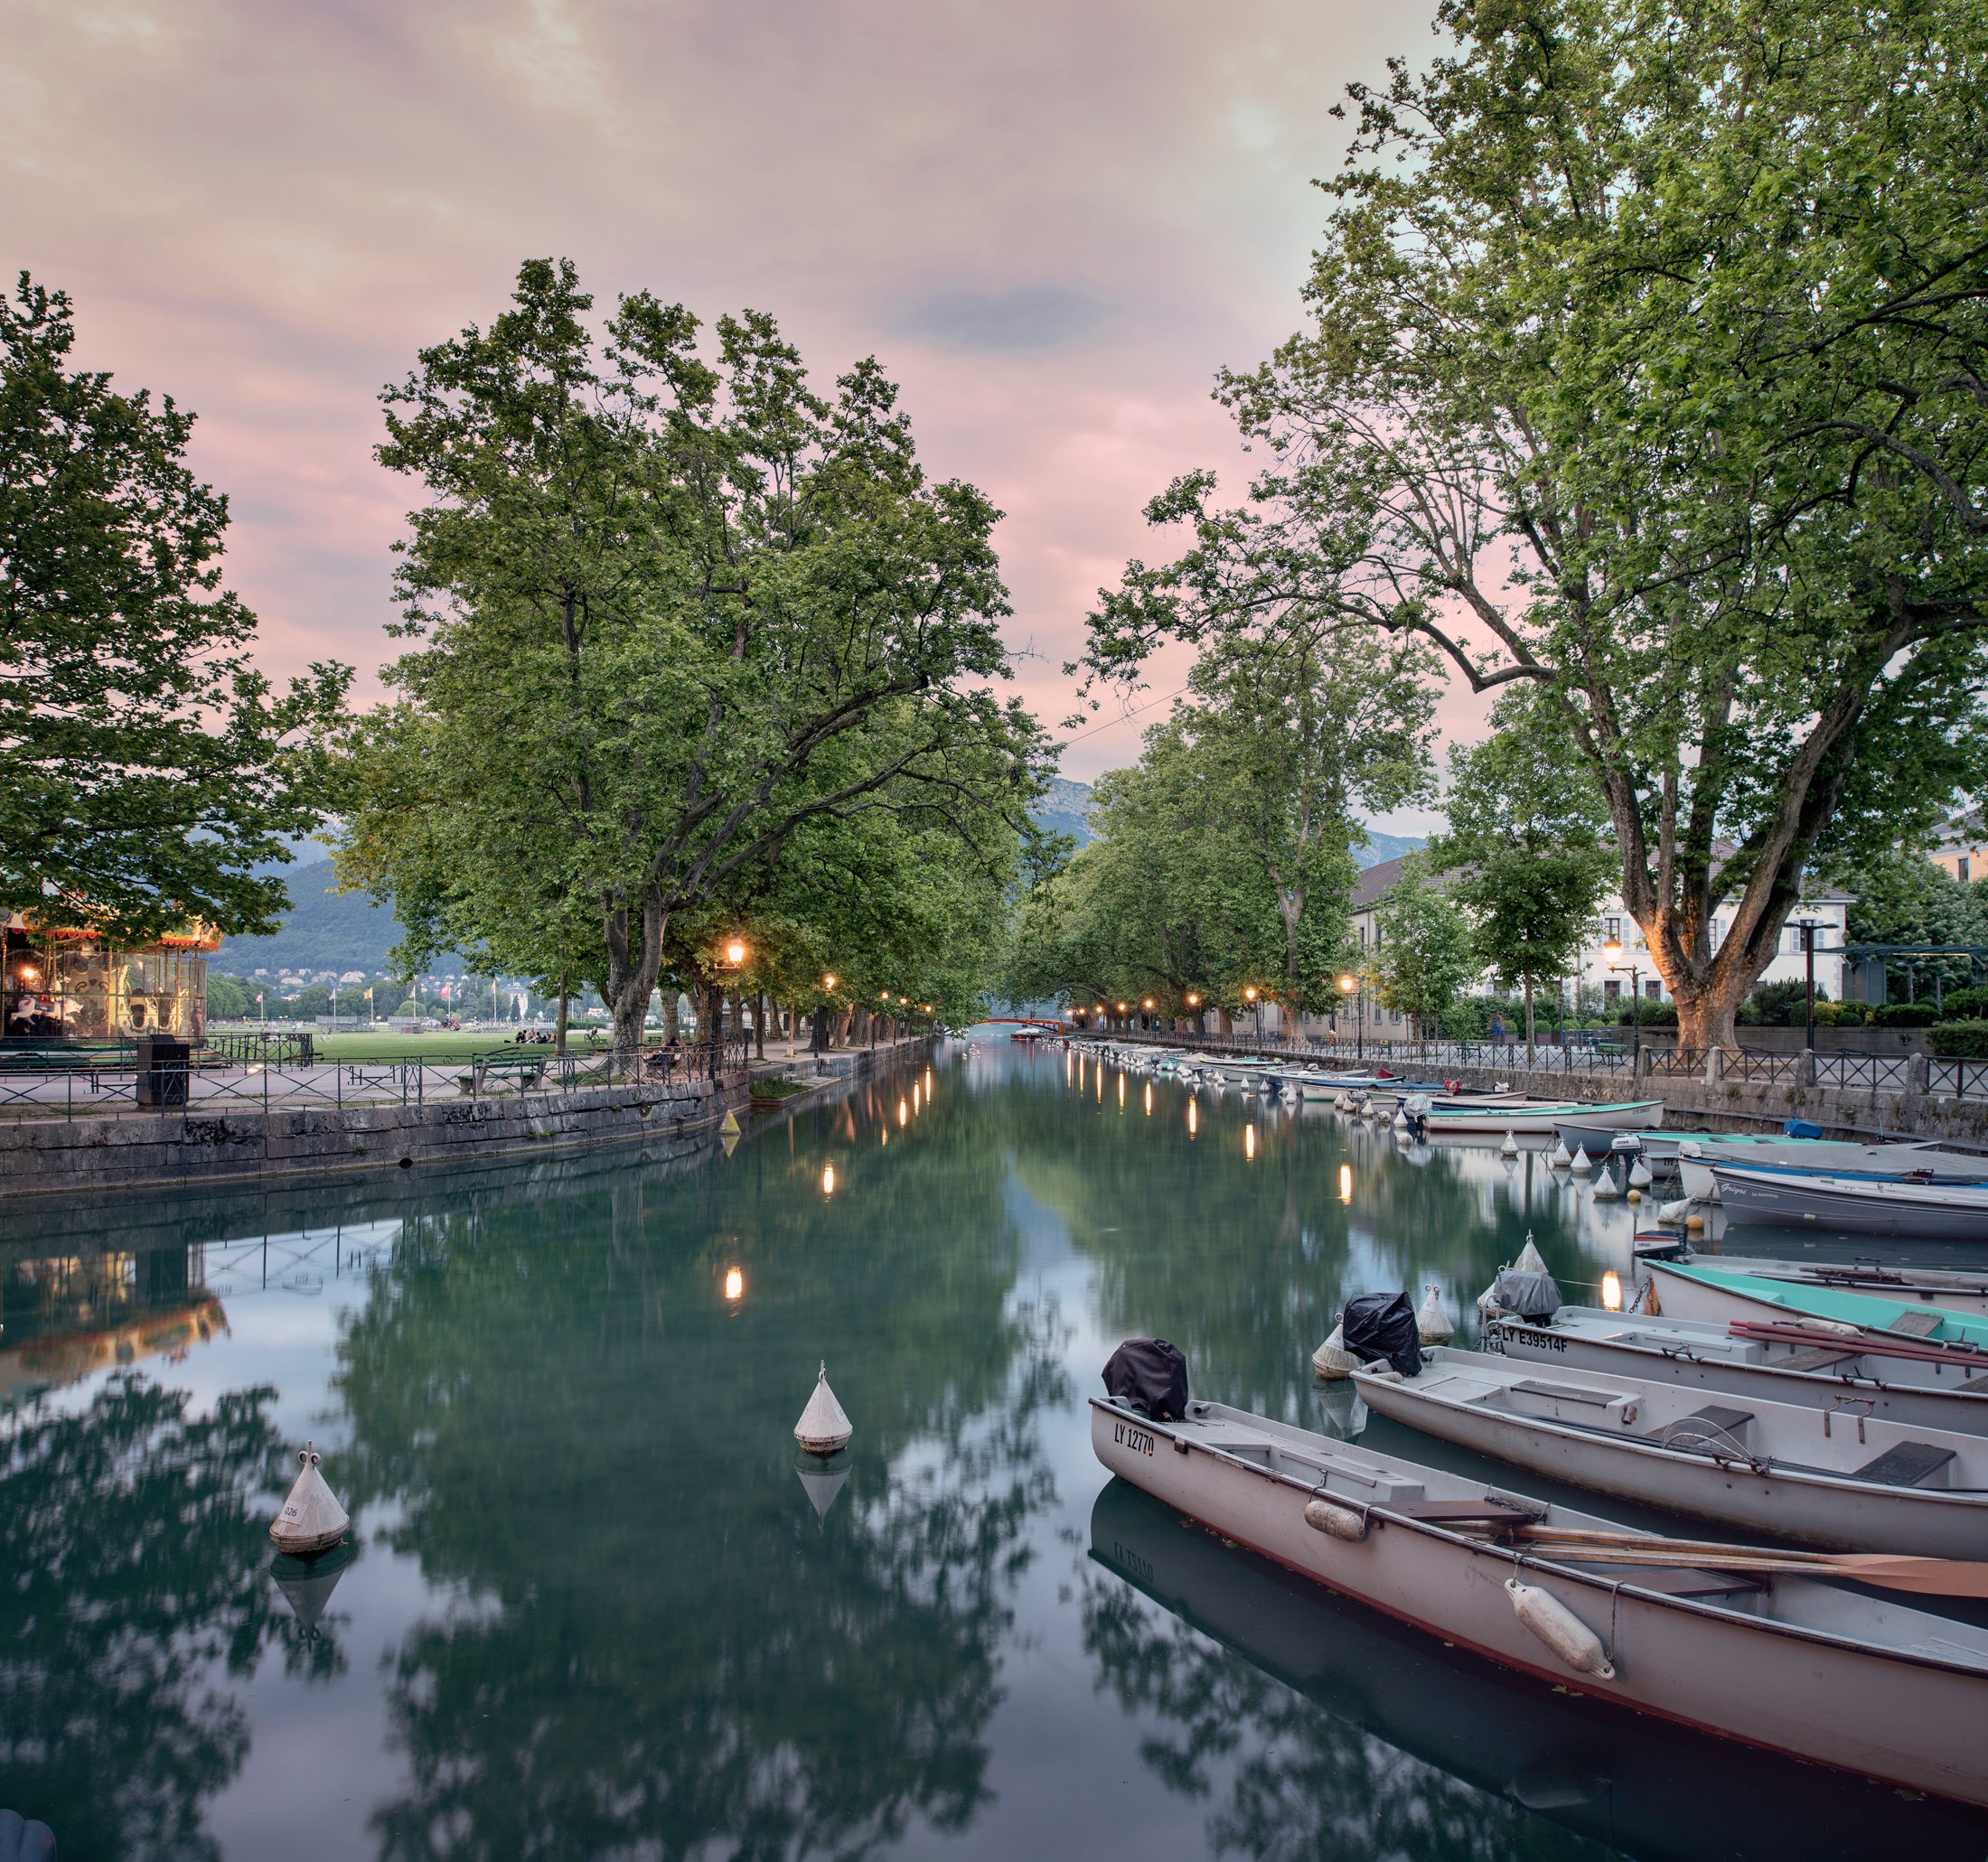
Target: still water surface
(598, 1604)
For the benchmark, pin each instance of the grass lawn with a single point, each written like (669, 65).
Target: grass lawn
(437, 1050)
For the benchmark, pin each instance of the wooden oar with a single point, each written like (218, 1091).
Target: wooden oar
(1947, 1577)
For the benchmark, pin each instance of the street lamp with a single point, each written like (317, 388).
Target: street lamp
(1348, 983)
(1612, 950)
(1808, 928)
(1256, 1013)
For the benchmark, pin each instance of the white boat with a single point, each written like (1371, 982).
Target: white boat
(1536, 1117)
(1697, 1155)
(1846, 1484)
(1703, 1289)
(1956, 1289)
(1856, 1205)
(1793, 1664)
(1814, 1370)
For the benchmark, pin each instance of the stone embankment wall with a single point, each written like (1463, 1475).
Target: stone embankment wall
(73, 1156)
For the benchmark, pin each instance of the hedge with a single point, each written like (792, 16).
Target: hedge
(1904, 1014)
(1960, 1040)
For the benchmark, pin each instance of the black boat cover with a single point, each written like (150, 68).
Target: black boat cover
(1383, 1326)
(1150, 1376)
(1530, 1296)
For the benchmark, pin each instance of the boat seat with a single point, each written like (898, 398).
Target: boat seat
(1675, 1582)
(1974, 1383)
(1818, 1359)
(1462, 1512)
(1917, 1325)
(1713, 1423)
(1566, 1392)
(1908, 1464)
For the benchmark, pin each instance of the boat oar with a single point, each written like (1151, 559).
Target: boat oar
(1946, 1578)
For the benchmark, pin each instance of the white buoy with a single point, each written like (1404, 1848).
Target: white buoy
(824, 1428)
(1605, 1189)
(1531, 1260)
(822, 1487)
(1673, 1211)
(1558, 1156)
(312, 1520)
(1401, 1119)
(1560, 1630)
(1639, 1175)
(307, 1584)
(1432, 1326)
(1510, 1148)
(1582, 1163)
(1332, 1358)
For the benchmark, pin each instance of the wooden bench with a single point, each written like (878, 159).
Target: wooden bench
(1908, 1464)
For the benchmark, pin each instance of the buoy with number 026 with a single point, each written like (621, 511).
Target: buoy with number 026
(311, 1520)
(824, 1428)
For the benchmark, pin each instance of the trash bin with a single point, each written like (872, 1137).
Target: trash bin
(164, 1064)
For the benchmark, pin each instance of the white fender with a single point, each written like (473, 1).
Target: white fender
(1560, 1630)
(1340, 1521)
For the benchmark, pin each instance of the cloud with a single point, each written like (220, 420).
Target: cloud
(1033, 318)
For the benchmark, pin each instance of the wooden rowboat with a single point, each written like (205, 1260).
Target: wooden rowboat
(1811, 1368)
(1785, 1661)
(1845, 1482)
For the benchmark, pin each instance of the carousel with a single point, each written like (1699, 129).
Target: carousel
(70, 986)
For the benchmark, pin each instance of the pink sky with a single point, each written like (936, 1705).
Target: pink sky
(1051, 223)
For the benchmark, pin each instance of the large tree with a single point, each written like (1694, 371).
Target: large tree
(669, 611)
(1647, 363)
(1527, 847)
(147, 769)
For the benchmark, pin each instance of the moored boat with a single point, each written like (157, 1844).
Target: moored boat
(1789, 1363)
(1857, 1205)
(1956, 1289)
(1697, 1152)
(1788, 1662)
(1849, 1483)
(1537, 1117)
(1697, 1290)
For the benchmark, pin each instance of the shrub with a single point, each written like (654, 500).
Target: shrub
(1851, 1014)
(1963, 1005)
(1966, 1040)
(1904, 1014)
(1827, 1014)
(1655, 1015)
(1769, 1003)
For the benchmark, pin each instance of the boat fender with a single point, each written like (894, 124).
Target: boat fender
(1386, 1374)
(1560, 1630)
(1340, 1521)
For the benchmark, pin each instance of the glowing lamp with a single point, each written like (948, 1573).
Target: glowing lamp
(1612, 950)
(1194, 1001)
(735, 953)
(1249, 994)
(1148, 1002)
(1347, 984)
(828, 982)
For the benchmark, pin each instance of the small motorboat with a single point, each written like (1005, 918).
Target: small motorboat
(1697, 1290)
(1955, 1290)
(1788, 1363)
(1770, 1656)
(1846, 1481)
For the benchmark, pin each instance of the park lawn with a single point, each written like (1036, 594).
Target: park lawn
(437, 1050)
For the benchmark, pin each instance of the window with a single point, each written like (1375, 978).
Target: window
(1611, 931)
(1652, 992)
(1611, 991)
(1960, 867)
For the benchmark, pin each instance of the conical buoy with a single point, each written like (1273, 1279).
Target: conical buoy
(1558, 1156)
(730, 1127)
(312, 1520)
(1510, 1148)
(1673, 1211)
(1332, 1358)
(1582, 1163)
(1639, 1175)
(822, 1487)
(307, 1586)
(1531, 1260)
(1432, 1326)
(824, 1428)
(1605, 1189)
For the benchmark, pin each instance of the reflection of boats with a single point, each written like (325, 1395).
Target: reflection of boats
(1790, 1198)
(1787, 1662)
(1843, 1481)
(1697, 1290)
(1612, 1779)
(1813, 1369)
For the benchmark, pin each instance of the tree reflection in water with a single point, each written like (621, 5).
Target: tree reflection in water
(658, 1646)
(132, 1538)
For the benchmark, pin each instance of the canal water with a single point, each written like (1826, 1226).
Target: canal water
(597, 1604)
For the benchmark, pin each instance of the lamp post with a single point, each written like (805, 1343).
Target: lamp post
(1809, 927)
(1348, 985)
(1194, 1005)
(1612, 950)
(1256, 1013)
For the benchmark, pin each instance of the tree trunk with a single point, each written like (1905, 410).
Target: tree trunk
(1528, 1022)
(631, 971)
(759, 1026)
(1705, 1011)
(672, 1014)
(559, 1039)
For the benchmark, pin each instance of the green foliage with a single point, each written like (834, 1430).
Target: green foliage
(674, 619)
(228, 998)
(1425, 956)
(1651, 347)
(1903, 1015)
(1964, 1005)
(312, 1000)
(1903, 898)
(1777, 1004)
(1965, 1040)
(1648, 1015)
(146, 769)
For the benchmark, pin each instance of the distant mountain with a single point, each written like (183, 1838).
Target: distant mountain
(1386, 847)
(1066, 809)
(324, 931)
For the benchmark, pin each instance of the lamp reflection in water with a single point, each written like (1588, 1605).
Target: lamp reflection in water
(915, 1091)
(1345, 1182)
(1149, 1099)
(828, 1179)
(735, 1285)
(1611, 1291)
(1121, 1092)
(1249, 1141)
(903, 1113)
(1193, 1121)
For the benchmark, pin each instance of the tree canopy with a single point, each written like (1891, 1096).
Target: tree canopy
(1645, 364)
(146, 768)
(675, 619)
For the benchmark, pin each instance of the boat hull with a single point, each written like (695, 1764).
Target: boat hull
(1817, 1203)
(1887, 1716)
(1834, 1515)
(1539, 1121)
